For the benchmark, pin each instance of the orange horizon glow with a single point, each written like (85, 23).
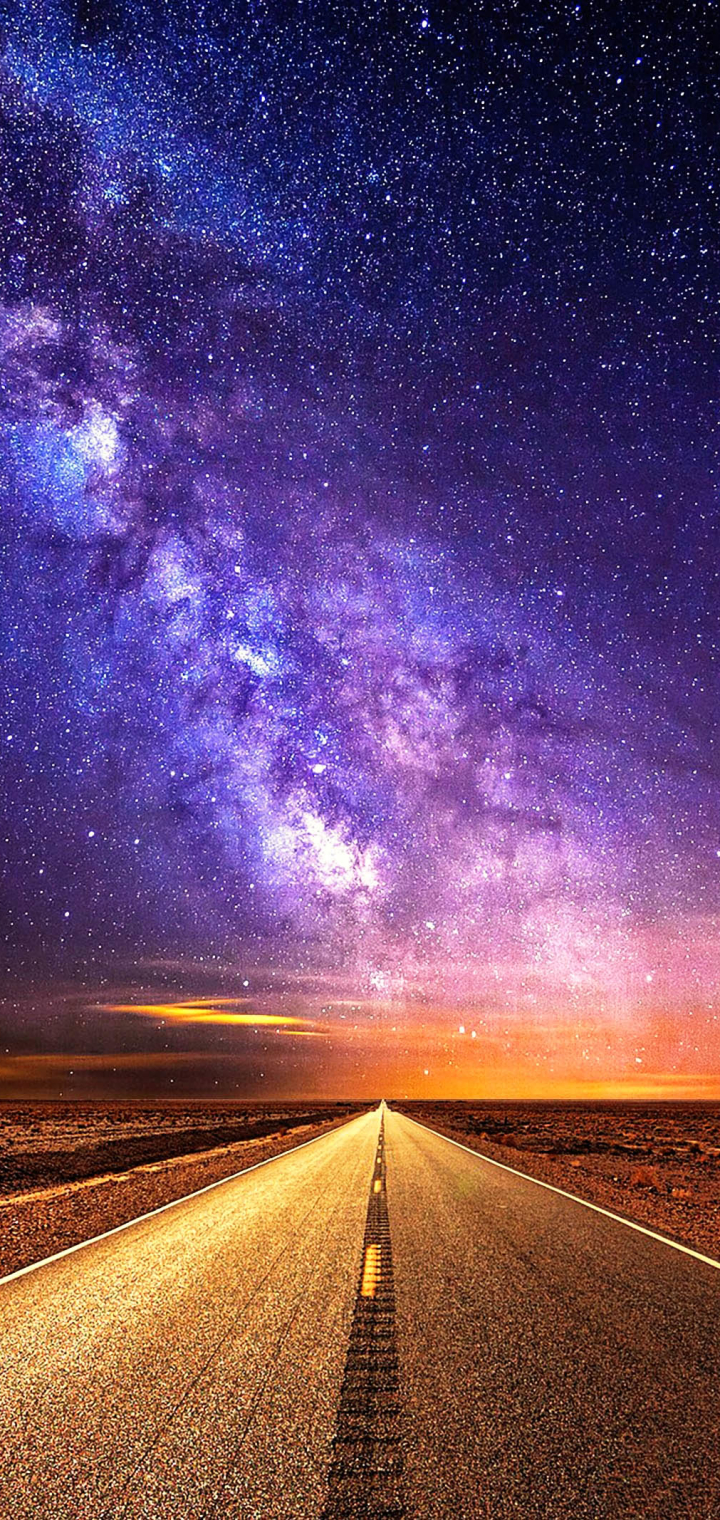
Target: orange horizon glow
(206, 1075)
(280, 1042)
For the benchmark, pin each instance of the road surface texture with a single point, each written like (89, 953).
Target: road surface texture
(553, 1362)
(192, 1364)
(259, 1352)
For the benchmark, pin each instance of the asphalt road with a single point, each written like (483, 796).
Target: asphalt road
(536, 1358)
(191, 1365)
(553, 1362)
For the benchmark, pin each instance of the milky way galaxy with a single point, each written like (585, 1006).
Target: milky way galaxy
(359, 532)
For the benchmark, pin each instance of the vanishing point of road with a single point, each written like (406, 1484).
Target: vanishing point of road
(378, 1323)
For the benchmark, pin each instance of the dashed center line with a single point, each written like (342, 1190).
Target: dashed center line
(366, 1477)
(371, 1272)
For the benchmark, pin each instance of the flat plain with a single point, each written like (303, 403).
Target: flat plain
(512, 1356)
(70, 1170)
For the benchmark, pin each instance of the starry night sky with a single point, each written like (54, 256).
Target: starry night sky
(358, 468)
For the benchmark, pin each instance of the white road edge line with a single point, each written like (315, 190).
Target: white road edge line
(34, 1266)
(596, 1207)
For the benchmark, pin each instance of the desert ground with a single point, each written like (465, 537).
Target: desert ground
(656, 1163)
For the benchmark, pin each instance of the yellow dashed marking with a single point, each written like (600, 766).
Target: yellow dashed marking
(371, 1272)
